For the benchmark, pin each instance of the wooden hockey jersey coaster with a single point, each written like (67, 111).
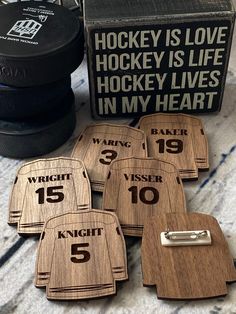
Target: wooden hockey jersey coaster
(81, 255)
(138, 188)
(45, 188)
(179, 139)
(100, 144)
(198, 263)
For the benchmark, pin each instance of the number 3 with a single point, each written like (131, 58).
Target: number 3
(110, 156)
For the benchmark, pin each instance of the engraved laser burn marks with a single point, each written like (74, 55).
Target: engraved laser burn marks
(138, 188)
(100, 144)
(47, 187)
(178, 139)
(81, 255)
(82, 251)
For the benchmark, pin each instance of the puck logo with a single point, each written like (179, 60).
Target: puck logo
(25, 29)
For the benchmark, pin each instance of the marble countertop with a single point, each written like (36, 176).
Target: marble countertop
(214, 193)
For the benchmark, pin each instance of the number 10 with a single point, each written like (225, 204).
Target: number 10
(142, 195)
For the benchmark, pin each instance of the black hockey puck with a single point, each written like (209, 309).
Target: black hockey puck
(24, 102)
(40, 43)
(38, 136)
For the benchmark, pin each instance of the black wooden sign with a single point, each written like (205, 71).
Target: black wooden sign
(157, 66)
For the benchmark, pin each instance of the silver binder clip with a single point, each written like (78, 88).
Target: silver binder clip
(186, 238)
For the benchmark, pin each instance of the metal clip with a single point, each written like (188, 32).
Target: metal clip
(184, 238)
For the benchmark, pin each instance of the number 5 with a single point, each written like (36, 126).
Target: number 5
(75, 250)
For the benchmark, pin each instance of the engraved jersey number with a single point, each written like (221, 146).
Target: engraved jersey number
(110, 155)
(76, 250)
(52, 193)
(172, 146)
(142, 195)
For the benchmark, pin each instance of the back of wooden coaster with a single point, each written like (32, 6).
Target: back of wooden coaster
(100, 144)
(188, 271)
(47, 187)
(138, 188)
(81, 255)
(179, 139)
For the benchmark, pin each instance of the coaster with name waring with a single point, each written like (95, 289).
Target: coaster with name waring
(186, 256)
(81, 255)
(100, 144)
(45, 188)
(138, 188)
(179, 139)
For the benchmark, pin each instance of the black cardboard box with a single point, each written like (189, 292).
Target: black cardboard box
(147, 56)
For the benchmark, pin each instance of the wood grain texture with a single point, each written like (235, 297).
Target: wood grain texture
(186, 272)
(47, 187)
(138, 188)
(100, 144)
(179, 139)
(81, 255)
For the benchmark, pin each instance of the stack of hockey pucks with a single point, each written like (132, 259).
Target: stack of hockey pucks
(41, 44)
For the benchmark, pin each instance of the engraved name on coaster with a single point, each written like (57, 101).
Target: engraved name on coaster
(47, 187)
(81, 255)
(178, 139)
(100, 144)
(138, 188)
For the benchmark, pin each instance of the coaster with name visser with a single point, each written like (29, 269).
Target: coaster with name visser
(138, 188)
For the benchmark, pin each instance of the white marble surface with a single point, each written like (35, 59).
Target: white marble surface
(213, 193)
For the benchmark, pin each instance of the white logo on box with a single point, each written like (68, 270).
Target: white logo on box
(25, 29)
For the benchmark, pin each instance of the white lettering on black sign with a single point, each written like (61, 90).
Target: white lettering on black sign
(160, 68)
